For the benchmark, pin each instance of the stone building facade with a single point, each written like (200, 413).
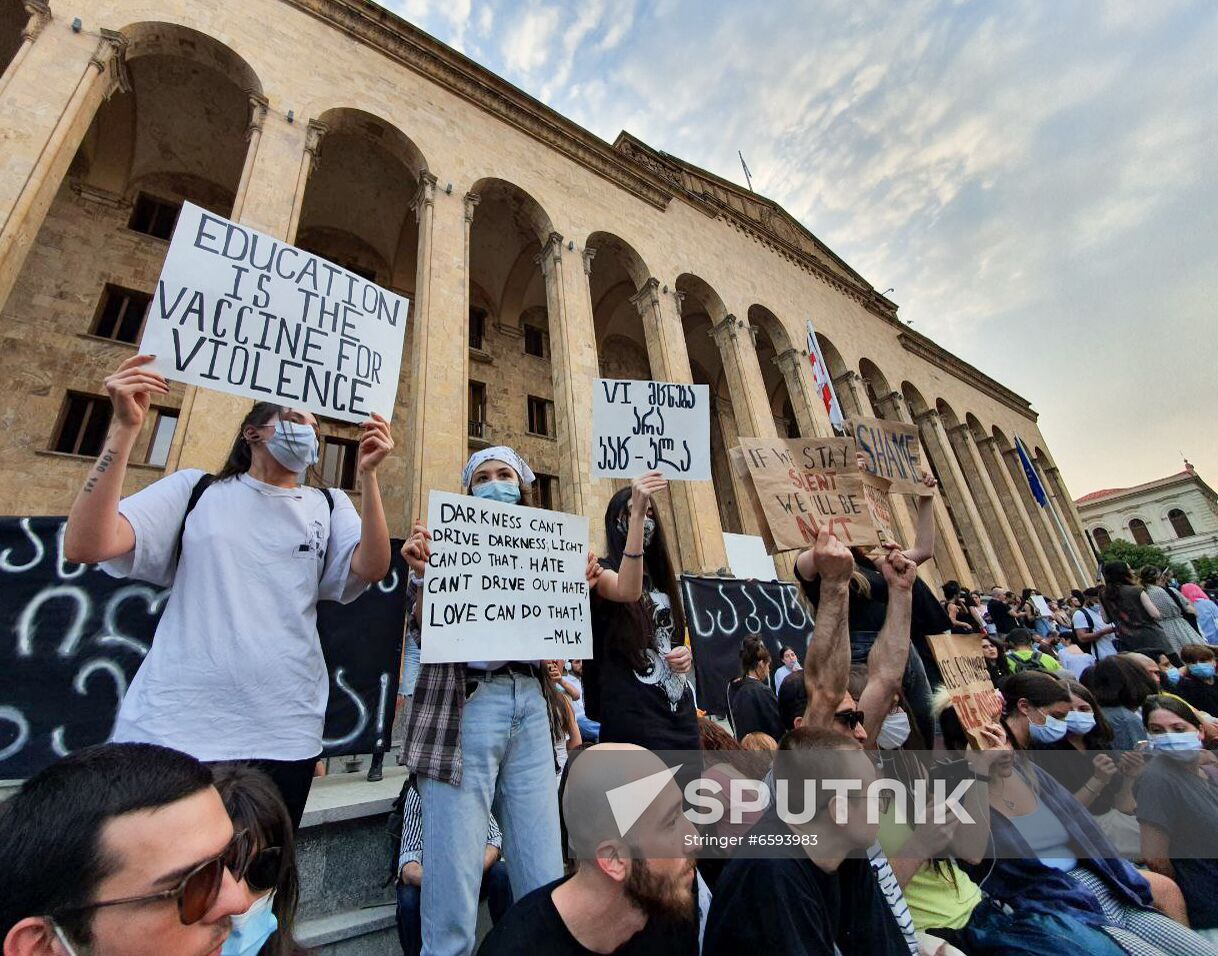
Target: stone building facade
(536, 256)
(1178, 513)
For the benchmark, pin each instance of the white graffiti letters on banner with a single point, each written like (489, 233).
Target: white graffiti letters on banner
(242, 312)
(639, 427)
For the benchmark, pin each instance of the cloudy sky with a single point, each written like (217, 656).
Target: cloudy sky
(1038, 181)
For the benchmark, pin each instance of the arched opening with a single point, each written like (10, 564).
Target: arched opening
(1180, 523)
(875, 384)
(701, 310)
(1102, 539)
(172, 130)
(357, 213)
(13, 19)
(772, 341)
(1139, 532)
(511, 390)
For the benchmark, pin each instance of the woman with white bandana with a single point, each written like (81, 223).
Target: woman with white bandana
(236, 670)
(479, 738)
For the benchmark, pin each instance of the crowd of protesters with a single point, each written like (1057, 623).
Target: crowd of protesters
(1096, 785)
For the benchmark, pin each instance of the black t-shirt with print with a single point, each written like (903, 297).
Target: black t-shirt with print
(652, 707)
(534, 926)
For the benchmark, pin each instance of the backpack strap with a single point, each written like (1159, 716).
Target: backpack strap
(329, 496)
(204, 482)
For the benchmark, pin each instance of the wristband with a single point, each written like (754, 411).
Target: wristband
(627, 554)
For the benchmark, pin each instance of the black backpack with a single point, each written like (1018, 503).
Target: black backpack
(205, 482)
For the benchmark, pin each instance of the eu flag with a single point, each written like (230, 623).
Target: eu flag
(1038, 490)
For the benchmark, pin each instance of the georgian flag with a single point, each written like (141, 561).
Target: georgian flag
(824, 382)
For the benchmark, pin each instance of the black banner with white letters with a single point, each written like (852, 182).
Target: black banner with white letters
(72, 638)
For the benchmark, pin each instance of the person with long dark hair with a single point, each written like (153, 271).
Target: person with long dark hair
(637, 683)
(993, 651)
(752, 704)
(1129, 607)
(1119, 685)
(263, 864)
(236, 670)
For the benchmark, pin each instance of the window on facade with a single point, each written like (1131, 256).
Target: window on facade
(120, 314)
(155, 217)
(547, 492)
(1102, 538)
(541, 416)
(477, 410)
(1141, 534)
(1180, 523)
(338, 460)
(535, 341)
(82, 425)
(162, 438)
(477, 328)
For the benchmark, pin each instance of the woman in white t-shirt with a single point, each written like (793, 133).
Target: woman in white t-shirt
(236, 670)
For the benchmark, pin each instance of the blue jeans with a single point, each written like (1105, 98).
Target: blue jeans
(589, 730)
(915, 685)
(496, 890)
(1042, 627)
(508, 767)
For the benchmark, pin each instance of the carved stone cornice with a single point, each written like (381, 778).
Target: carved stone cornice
(425, 195)
(938, 356)
(258, 108)
(848, 377)
(588, 256)
(727, 330)
(788, 360)
(647, 299)
(931, 415)
(471, 205)
(314, 136)
(40, 16)
(110, 58)
(398, 40)
(551, 253)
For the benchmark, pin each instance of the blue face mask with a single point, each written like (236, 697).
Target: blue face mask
(1172, 675)
(1202, 671)
(1080, 722)
(294, 446)
(1050, 732)
(251, 929)
(1182, 746)
(507, 492)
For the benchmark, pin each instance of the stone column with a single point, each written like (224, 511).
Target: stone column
(209, 419)
(573, 365)
(699, 537)
(852, 393)
(40, 16)
(745, 385)
(1047, 531)
(949, 556)
(985, 562)
(315, 132)
(992, 513)
(1026, 531)
(46, 112)
(797, 374)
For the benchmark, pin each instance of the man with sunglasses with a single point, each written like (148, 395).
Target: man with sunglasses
(117, 850)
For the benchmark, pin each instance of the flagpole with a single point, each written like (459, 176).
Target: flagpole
(1061, 528)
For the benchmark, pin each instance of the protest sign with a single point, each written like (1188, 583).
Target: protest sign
(639, 427)
(805, 484)
(740, 468)
(1041, 605)
(964, 673)
(504, 582)
(891, 450)
(879, 507)
(748, 558)
(77, 636)
(241, 312)
(722, 612)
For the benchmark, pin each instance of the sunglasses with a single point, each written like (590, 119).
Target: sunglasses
(260, 869)
(849, 718)
(195, 893)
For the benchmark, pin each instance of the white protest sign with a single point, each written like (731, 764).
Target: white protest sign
(639, 427)
(747, 557)
(242, 312)
(504, 583)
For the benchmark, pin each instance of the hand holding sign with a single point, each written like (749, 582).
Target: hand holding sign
(416, 549)
(644, 488)
(130, 389)
(375, 445)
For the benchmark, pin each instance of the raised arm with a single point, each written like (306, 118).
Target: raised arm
(924, 539)
(827, 663)
(95, 530)
(625, 585)
(372, 556)
(889, 653)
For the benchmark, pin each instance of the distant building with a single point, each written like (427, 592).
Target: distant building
(1178, 514)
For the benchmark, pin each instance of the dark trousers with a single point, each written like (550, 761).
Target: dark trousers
(915, 685)
(293, 779)
(496, 890)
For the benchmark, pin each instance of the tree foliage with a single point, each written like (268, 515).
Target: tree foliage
(1139, 555)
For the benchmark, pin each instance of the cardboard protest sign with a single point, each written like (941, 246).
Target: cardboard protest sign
(965, 675)
(740, 468)
(806, 483)
(879, 507)
(241, 312)
(504, 583)
(639, 427)
(891, 450)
